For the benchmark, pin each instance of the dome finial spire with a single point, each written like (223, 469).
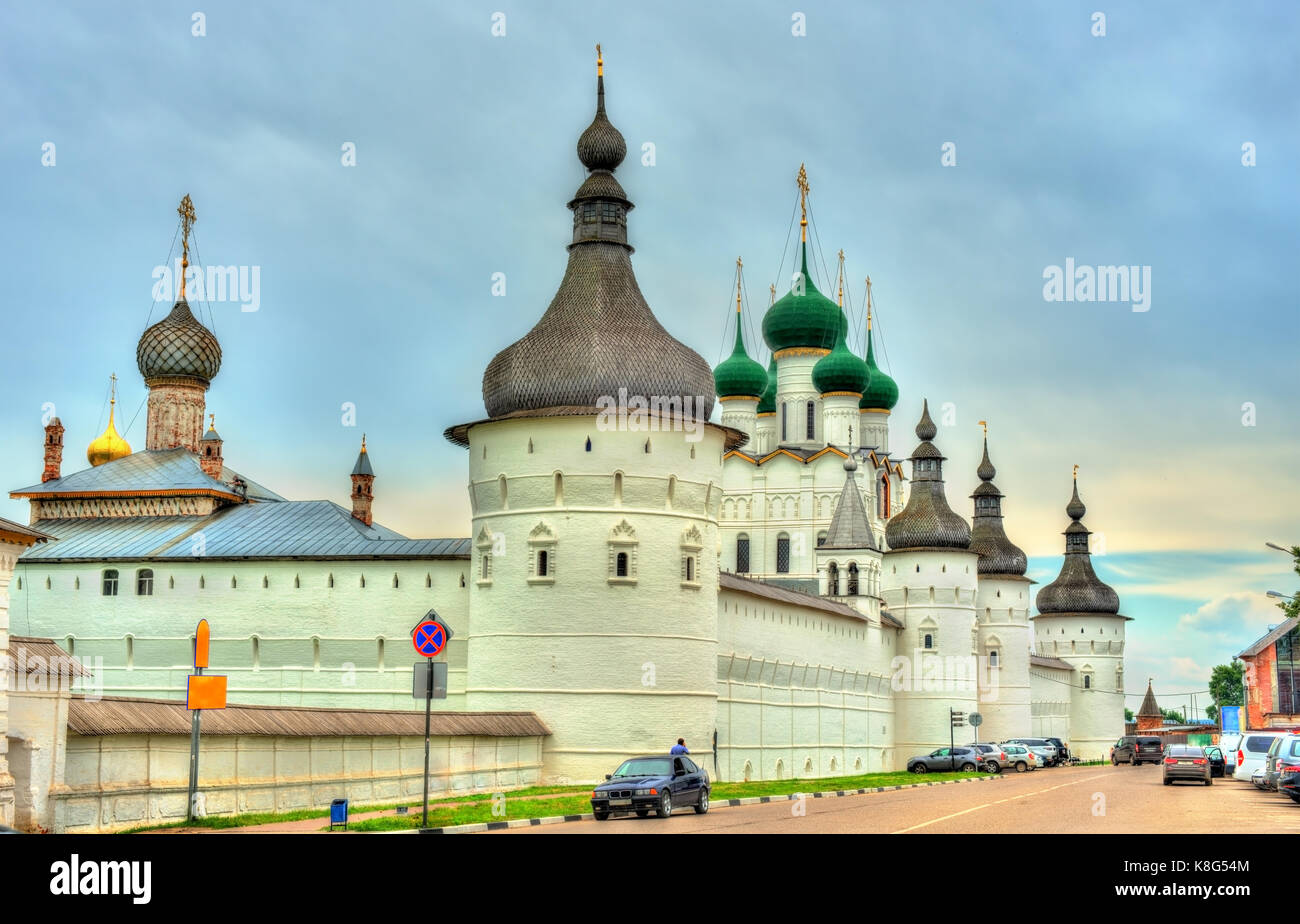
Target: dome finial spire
(868, 303)
(600, 62)
(802, 180)
(841, 283)
(186, 211)
(739, 265)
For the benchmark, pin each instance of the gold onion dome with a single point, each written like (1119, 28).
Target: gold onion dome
(109, 445)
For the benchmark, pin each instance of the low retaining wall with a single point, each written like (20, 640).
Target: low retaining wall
(120, 781)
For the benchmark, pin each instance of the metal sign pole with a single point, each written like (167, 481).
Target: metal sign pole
(194, 757)
(428, 708)
(952, 741)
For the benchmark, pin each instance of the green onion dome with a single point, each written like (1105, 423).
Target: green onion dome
(881, 392)
(767, 403)
(840, 370)
(739, 376)
(809, 320)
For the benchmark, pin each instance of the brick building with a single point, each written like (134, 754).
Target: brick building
(1273, 678)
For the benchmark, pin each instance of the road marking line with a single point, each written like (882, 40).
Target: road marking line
(1037, 792)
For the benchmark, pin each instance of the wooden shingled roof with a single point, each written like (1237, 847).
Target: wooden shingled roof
(114, 715)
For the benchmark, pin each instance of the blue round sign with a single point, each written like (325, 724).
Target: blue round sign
(429, 638)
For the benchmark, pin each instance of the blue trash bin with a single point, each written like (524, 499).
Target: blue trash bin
(339, 813)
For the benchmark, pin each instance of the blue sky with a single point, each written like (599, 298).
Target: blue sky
(376, 279)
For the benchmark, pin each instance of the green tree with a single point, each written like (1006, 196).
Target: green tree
(1227, 687)
(1128, 714)
(1173, 715)
(1292, 607)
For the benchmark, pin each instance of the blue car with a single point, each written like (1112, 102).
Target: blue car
(659, 783)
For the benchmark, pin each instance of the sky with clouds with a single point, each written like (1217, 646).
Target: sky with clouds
(375, 279)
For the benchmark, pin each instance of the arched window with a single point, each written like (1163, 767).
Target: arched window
(853, 579)
(588, 444)
(559, 489)
(783, 554)
(993, 658)
(620, 565)
(622, 553)
(543, 562)
(144, 582)
(812, 420)
(742, 554)
(821, 538)
(618, 489)
(110, 583)
(1087, 681)
(833, 579)
(928, 642)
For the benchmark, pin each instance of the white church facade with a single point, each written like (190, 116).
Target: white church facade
(779, 588)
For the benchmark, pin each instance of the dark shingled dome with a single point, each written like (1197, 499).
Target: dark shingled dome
(178, 345)
(1077, 589)
(998, 554)
(598, 335)
(927, 522)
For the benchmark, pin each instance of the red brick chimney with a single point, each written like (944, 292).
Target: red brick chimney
(53, 449)
(210, 450)
(363, 485)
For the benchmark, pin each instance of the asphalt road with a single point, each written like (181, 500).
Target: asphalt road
(1075, 800)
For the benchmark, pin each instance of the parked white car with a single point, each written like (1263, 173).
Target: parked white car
(1251, 752)
(1228, 744)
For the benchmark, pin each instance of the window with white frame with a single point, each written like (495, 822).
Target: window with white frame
(483, 545)
(692, 544)
(541, 549)
(622, 554)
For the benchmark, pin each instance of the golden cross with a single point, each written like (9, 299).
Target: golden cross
(739, 264)
(803, 203)
(985, 425)
(212, 421)
(841, 277)
(1076, 473)
(112, 388)
(600, 62)
(186, 211)
(868, 303)
(772, 289)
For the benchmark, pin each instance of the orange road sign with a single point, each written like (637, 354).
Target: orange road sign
(206, 691)
(201, 644)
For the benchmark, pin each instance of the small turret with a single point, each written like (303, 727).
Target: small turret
(210, 459)
(363, 485)
(53, 450)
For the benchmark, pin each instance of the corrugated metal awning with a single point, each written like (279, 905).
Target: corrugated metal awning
(116, 715)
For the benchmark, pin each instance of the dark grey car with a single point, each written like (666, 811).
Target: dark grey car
(945, 759)
(1283, 752)
(1186, 762)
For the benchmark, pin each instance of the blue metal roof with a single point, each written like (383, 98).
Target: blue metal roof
(288, 529)
(146, 472)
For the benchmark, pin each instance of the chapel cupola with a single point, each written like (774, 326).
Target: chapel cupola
(178, 358)
(109, 445)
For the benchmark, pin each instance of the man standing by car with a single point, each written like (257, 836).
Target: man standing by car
(680, 747)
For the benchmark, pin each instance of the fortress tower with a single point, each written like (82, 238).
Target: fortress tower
(594, 488)
(1079, 622)
(929, 583)
(1001, 615)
